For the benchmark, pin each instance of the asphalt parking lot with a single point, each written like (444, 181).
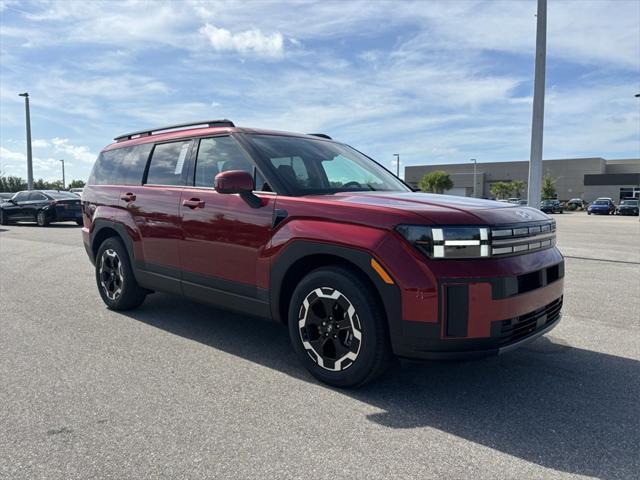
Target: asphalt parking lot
(179, 390)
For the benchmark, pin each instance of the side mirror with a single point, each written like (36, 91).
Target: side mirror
(237, 181)
(233, 181)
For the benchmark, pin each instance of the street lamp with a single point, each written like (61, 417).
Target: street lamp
(29, 155)
(63, 174)
(397, 155)
(475, 164)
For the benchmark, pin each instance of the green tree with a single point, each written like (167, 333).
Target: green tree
(10, 183)
(548, 188)
(436, 182)
(517, 188)
(76, 184)
(502, 189)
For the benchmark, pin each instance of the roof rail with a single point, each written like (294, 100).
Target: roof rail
(145, 133)
(321, 135)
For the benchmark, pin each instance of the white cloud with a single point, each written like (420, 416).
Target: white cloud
(64, 146)
(249, 42)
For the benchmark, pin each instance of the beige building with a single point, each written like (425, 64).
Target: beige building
(586, 178)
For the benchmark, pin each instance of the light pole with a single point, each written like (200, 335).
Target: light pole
(475, 164)
(537, 123)
(29, 156)
(63, 174)
(397, 155)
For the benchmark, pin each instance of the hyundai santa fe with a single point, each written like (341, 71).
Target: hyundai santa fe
(314, 234)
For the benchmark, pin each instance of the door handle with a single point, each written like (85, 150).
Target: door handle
(193, 203)
(128, 197)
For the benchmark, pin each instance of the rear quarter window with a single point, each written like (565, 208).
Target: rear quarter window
(121, 166)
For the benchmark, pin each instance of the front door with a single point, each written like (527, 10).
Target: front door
(16, 209)
(221, 251)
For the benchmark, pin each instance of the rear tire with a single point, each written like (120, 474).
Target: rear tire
(338, 329)
(114, 277)
(41, 219)
(3, 218)
(80, 223)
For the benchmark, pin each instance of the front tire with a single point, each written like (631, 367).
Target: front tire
(3, 218)
(338, 328)
(41, 218)
(116, 283)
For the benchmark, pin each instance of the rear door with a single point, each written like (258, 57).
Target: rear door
(37, 200)
(223, 237)
(153, 207)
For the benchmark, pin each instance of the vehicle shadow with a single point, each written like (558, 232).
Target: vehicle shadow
(564, 408)
(51, 225)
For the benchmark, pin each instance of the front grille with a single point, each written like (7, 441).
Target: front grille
(522, 238)
(520, 327)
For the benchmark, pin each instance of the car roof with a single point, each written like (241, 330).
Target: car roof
(204, 132)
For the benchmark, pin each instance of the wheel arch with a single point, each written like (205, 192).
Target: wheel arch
(104, 229)
(300, 257)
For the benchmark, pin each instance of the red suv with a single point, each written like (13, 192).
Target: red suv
(312, 233)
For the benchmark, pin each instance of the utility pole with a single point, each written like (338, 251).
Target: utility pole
(29, 155)
(474, 177)
(397, 155)
(63, 183)
(537, 124)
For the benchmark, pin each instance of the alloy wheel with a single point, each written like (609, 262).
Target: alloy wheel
(111, 276)
(330, 329)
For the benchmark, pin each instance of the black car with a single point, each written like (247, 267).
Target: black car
(628, 206)
(41, 206)
(551, 206)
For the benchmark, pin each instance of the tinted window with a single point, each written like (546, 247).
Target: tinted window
(122, 166)
(21, 197)
(168, 164)
(36, 196)
(63, 195)
(133, 163)
(217, 155)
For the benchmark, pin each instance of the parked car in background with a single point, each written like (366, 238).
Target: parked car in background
(515, 201)
(576, 204)
(602, 206)
(310, 232)
(551, 206)
(41, 206)
(77, 191)
(628, 206)
(523, 203)
(6, 195)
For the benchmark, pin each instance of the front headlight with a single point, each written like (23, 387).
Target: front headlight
(448, 242)
(479, 241)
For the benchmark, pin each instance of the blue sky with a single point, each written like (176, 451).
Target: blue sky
(436, 81)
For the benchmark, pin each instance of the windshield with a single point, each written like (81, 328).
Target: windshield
(61, 195)
(548, 202)
(601, 202)
(630, 202)
(316, 166)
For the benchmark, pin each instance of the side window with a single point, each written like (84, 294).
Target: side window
(132, 164)
(21, 197)
(168, 165)
(36, 197)
(219, 154)
(293, 171)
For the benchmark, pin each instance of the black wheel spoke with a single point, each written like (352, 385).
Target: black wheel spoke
(328, 329)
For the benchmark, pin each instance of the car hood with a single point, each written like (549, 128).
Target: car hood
(445, 209)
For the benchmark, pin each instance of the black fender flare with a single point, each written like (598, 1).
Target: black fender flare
(102, 223)
(299, 249)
